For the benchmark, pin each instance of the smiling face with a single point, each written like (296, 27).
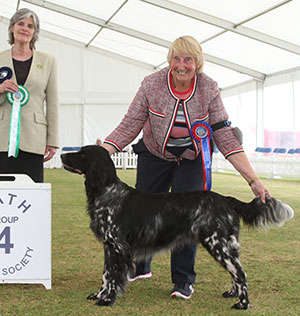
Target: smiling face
(23, 31)
(183, 69)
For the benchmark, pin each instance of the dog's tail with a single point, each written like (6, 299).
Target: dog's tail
(259, 214)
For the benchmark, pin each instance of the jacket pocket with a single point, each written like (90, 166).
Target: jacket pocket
(156, 113)
(203, 118)
(40, 118)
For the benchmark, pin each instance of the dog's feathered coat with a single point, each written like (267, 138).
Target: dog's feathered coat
(133, 224)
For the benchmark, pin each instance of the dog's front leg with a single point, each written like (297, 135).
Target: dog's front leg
(114, 277)
(97, 296)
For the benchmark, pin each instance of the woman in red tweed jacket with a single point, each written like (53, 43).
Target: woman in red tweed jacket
(165, 107)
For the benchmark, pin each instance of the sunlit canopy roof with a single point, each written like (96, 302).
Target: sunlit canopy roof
(241, 39)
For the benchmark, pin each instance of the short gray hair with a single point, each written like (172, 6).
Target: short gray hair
(24, 14)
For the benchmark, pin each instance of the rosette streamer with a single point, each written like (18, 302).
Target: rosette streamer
(17, 100)
(201, 132)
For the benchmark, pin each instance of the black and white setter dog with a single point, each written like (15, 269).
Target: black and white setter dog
(133, 224)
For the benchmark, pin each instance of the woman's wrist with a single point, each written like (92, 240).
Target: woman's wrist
(111, 149)
(251, 181)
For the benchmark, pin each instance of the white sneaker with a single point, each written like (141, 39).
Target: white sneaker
(140, 276)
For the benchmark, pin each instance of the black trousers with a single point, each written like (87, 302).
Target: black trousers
(157, 175)
(26, 163)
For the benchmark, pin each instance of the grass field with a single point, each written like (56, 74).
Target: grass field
(270, 258)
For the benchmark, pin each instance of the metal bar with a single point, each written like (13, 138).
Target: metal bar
(226, 25)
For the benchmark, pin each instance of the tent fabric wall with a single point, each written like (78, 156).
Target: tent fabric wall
(267, 112)
(96, 88)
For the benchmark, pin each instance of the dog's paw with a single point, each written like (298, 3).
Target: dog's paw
(230, 294)
(105, 302)
(92, 296)
(240, 305)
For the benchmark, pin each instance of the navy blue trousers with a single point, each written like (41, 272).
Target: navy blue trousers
(157, 175)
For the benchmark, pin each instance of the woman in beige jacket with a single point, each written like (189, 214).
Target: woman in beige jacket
(37, 72)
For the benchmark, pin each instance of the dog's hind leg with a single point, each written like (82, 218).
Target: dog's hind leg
(234, 246)
(239, 282)
(226, 253)
(114, 277)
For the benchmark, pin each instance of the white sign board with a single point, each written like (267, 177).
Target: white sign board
(25, 230)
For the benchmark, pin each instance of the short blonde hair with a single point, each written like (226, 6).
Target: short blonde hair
(187, 45)
(24, 14)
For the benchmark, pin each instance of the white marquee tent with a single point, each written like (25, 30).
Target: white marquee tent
(105, 48)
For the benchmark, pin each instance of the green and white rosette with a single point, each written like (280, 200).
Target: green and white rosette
(17, 100)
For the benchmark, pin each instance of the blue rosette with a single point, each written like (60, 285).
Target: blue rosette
(202, 132)
(5, 74)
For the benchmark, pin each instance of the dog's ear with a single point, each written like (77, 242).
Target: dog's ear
(95, 178)
(100, 174)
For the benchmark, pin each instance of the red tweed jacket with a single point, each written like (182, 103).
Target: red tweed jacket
(153, 110)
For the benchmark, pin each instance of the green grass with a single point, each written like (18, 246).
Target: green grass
(270, 258)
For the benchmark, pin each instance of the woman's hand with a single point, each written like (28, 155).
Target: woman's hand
(49, 153)
(260, 190)
(8, 86)
(110, 148)
(242, 165)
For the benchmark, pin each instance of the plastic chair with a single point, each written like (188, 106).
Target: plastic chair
(67, 149)
(258, 149)
(279, 151)
(297, 151)
(266, 150)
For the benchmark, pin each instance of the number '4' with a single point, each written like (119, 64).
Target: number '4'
(6, 236)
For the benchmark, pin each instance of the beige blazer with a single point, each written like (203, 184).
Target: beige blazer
(39, 123)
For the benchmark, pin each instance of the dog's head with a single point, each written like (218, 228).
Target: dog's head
(92, 161)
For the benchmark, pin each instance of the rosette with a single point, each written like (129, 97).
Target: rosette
(21, 96)
(5, 73)
(201, 130)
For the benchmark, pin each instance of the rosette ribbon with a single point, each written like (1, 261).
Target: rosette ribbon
(17, 100)
(202, 132)
(5, 73)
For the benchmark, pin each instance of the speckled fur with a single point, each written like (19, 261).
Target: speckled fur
(133, 224)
